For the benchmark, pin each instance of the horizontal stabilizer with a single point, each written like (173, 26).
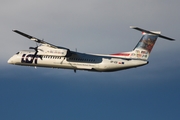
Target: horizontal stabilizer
(151, 32)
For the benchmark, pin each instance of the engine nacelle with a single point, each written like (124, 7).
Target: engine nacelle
(54, 51)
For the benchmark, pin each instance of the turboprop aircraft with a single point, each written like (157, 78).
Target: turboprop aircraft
(52, 56)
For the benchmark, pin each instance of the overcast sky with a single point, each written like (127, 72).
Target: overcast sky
(92, 26)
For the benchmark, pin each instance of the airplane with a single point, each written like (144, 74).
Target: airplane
(52, 56)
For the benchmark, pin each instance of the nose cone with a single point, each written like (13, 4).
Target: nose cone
(10, 61)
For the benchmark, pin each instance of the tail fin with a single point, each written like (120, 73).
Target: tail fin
(146, 43)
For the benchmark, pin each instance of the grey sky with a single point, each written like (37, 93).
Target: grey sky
(90, 26)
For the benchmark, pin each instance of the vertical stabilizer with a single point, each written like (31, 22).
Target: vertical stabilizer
(146, 43)
(144, 46)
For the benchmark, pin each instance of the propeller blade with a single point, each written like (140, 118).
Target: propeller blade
(37, 50)
(35, 55)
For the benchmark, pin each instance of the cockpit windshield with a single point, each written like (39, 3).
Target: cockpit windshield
(17, 53)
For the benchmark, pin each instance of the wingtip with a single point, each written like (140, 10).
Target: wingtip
(132, 27)
(173, 39)
(14, 30)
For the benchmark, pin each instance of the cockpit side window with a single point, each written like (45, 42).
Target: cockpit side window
(17, 53)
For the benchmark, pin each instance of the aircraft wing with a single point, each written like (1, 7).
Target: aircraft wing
(38, 40)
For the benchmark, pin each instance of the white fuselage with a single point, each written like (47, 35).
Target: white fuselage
(77, 61)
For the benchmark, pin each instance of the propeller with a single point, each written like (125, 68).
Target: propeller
(36, 51)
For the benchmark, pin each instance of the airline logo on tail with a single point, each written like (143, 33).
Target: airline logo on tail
(147, 42)
(144, 46)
